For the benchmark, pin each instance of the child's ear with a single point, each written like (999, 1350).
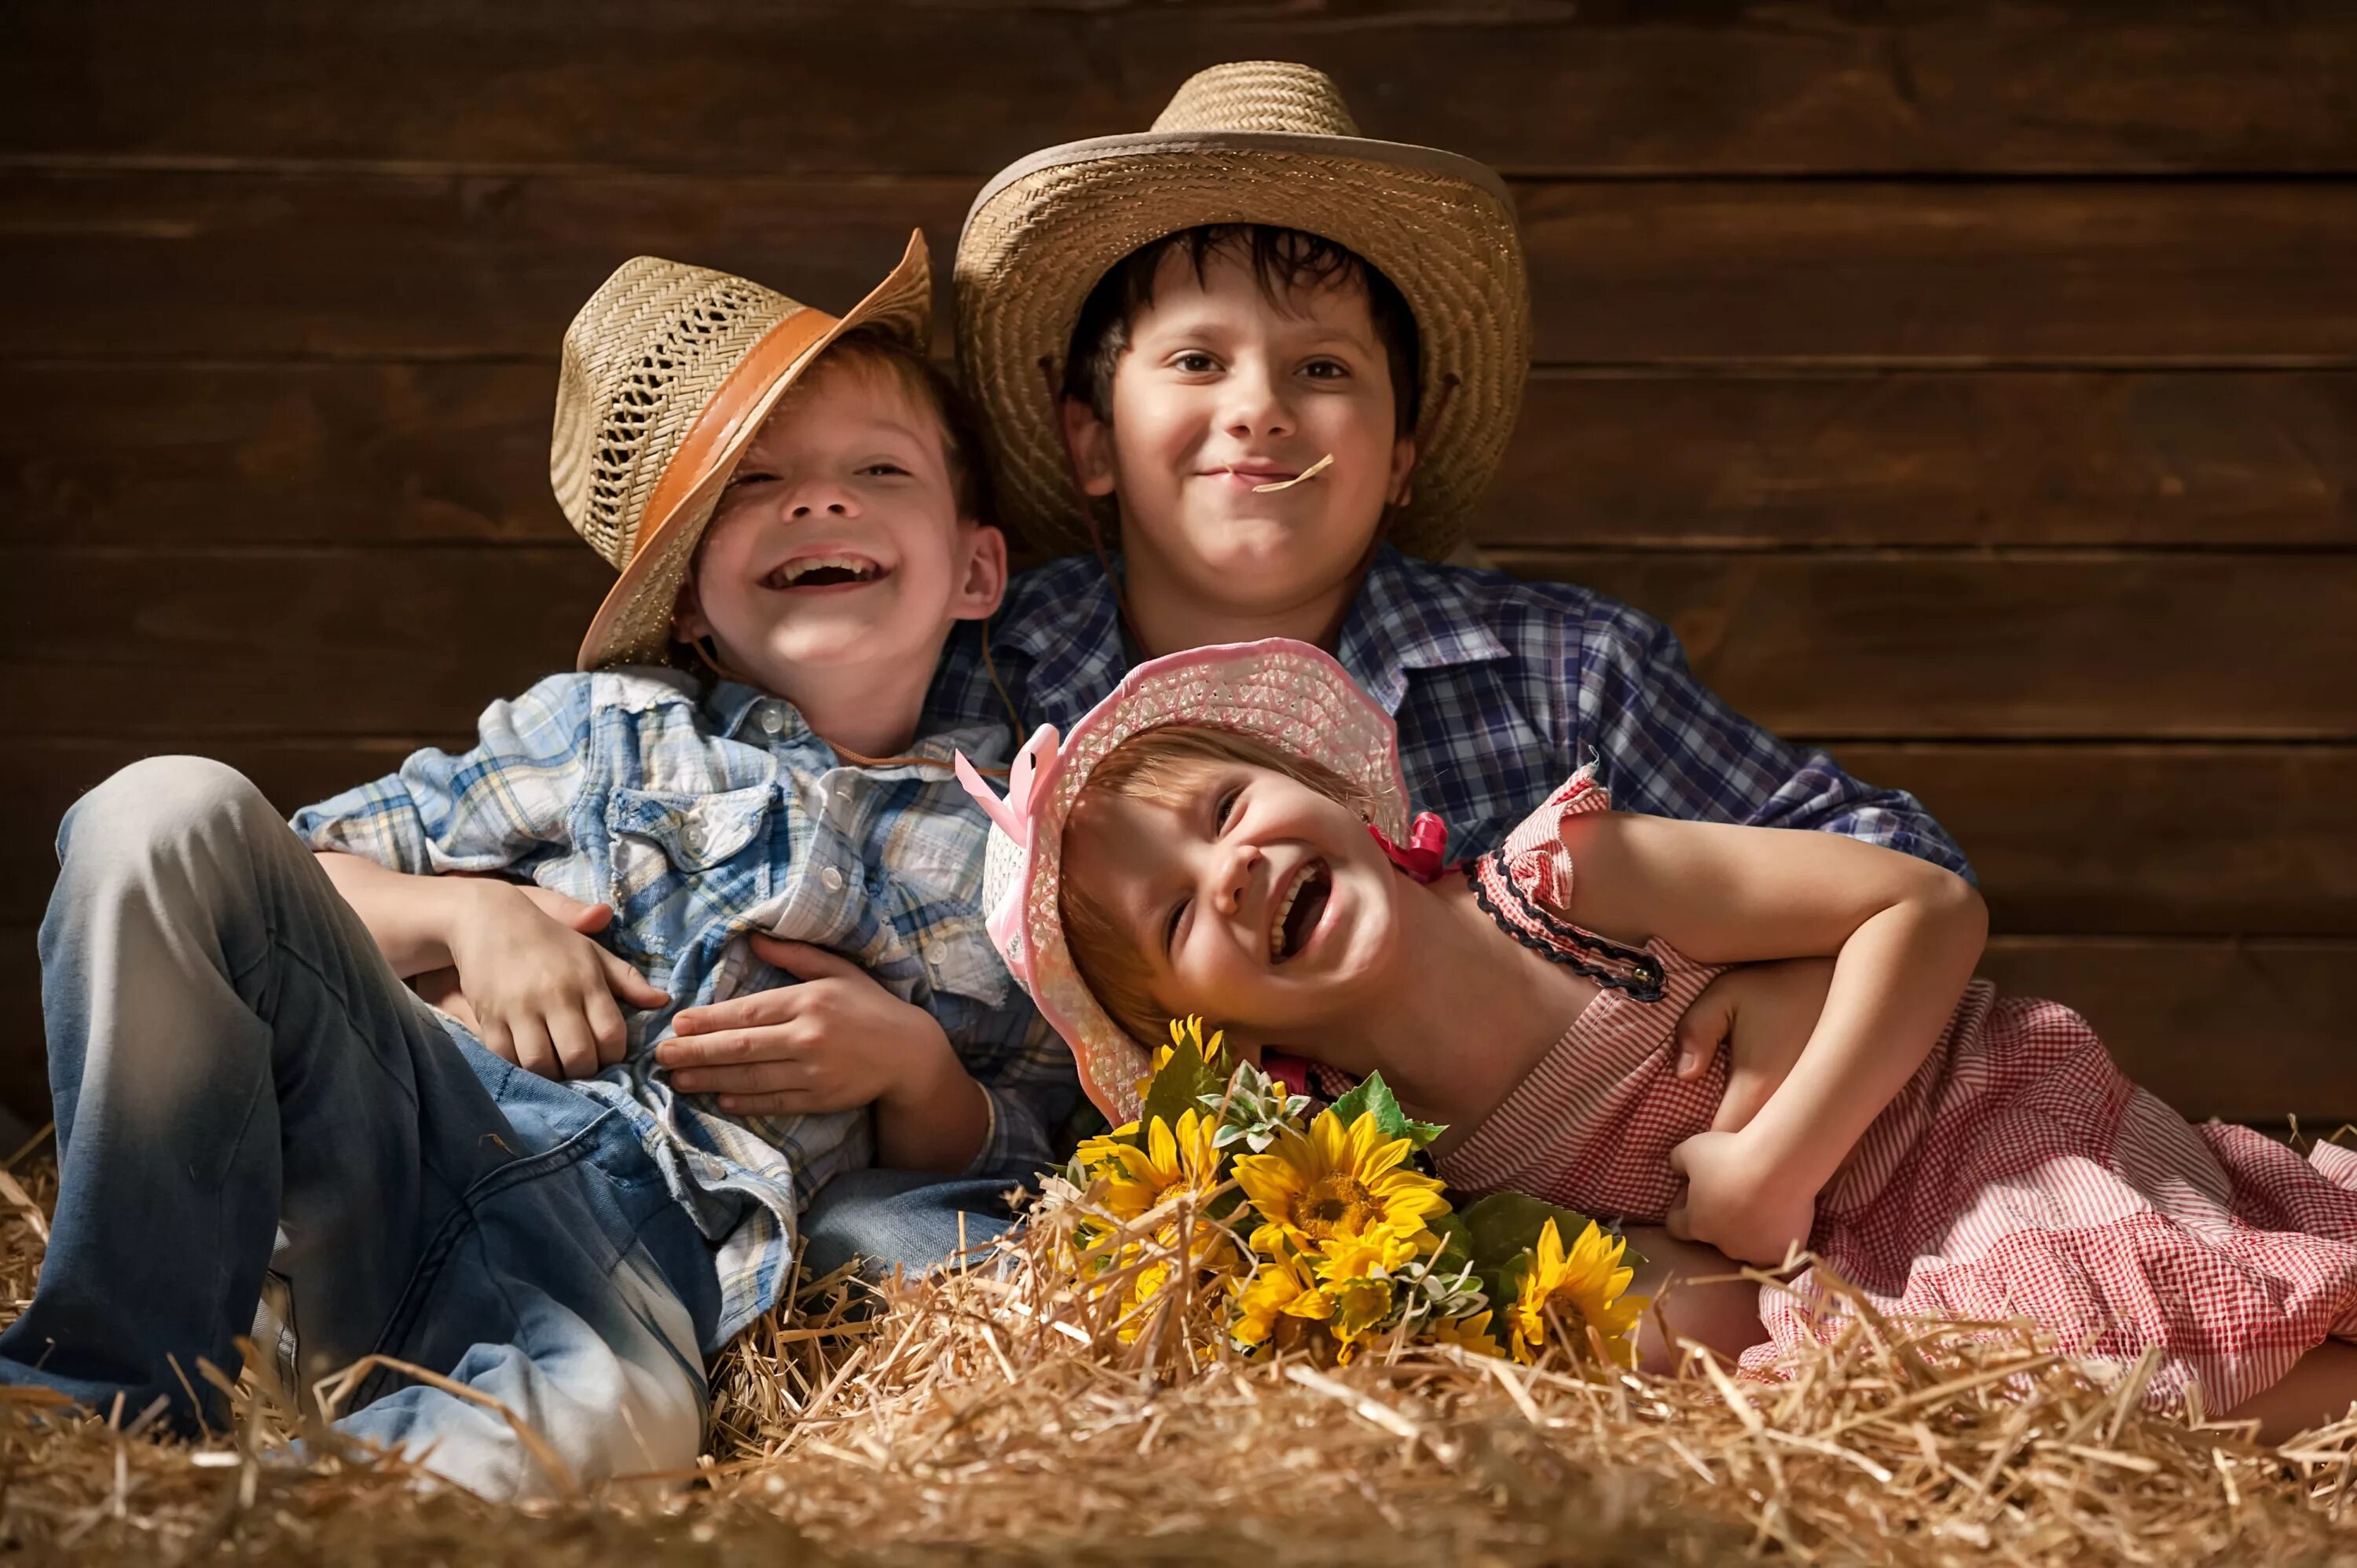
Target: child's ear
(1403, 468)
(1090, 441)
(688, 620)
(981, 581)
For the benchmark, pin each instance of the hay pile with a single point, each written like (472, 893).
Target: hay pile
(976, 1419)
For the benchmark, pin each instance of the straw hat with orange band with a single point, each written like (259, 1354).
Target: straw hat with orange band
(668, 372)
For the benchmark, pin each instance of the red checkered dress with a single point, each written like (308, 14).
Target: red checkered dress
(2017, 1174)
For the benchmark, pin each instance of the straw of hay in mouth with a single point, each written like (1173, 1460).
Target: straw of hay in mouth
(1311, 472)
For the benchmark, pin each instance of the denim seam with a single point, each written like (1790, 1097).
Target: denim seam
(464, 1216)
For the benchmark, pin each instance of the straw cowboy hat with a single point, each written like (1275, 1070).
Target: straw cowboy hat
(1256, 142)
(668, 372)
(1287, 694)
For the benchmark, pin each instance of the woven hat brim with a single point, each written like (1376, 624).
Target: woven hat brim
(1441, 226)
(1292, 696)
(633, 625)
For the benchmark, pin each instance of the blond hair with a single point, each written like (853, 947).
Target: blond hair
(1156, 765)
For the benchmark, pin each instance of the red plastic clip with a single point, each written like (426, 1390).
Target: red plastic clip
(1428, 847)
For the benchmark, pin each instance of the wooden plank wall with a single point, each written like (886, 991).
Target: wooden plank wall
(1970, 385)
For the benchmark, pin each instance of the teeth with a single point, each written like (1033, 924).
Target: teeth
(794, 572)
(1301, 879)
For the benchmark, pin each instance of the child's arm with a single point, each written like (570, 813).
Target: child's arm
(834, 1042)
(537, 990)
(1904, 934)
(541, 994)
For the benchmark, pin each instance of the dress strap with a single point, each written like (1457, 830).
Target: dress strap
(1524, 884)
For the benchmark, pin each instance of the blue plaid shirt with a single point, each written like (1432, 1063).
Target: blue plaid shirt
(1501, 689)
(703, 817)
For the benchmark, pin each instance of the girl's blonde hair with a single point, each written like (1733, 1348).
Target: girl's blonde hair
(1156, 765)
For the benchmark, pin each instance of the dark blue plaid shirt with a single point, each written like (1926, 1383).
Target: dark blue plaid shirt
(1501, 689)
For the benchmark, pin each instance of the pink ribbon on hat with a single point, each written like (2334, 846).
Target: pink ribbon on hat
(1026, 782)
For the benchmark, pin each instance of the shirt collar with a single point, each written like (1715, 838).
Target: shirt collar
(730, 707)
(1410, 615)
(734, 707)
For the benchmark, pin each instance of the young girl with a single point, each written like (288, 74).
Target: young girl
(1227, 835)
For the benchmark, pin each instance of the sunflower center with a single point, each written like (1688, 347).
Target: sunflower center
(1337, 1204)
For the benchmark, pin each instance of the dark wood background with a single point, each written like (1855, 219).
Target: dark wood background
(1970, 385)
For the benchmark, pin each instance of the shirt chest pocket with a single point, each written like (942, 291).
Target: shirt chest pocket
(960, 960)
(682, 862)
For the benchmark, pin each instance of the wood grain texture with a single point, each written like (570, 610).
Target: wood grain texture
(2244, 1031)
(2030, 645)
(163, 454)
(190, 646)
(2236, 272)
(1536, 87)
(2152, 839)
(2207, 458)
(212, 263)
(1855, 646)
(2155, 840)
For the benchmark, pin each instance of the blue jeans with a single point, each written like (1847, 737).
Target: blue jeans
(909, 1221)
(243, 1086)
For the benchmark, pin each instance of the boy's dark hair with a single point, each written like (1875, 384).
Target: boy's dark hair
(1283, 262)
(930, 386)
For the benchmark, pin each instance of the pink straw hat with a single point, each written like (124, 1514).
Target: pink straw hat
(1284, 694)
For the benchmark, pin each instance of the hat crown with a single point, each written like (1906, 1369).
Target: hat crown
(639, 361)
(1259, 95)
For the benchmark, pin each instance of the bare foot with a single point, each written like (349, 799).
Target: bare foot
(2317, 1391)
(1694, 1298)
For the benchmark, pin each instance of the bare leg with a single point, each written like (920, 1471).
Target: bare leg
(2317, 1391)
(1695, 1297)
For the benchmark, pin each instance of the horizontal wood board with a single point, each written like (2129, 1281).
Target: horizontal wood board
(1851, 645)
(341, 263)
(159, 453)
(1620, 87)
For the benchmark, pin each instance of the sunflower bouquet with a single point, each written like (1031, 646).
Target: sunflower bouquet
(1229, 1212)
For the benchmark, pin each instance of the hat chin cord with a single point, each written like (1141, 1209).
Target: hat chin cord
(707, 653)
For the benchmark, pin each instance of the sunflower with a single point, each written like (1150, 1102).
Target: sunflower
(1185, 1035)
(1466, 1333)
(1335, 1183)
(1373, 1253)
(1281, 1289)
(1582, 1287)
(1361, 1306)
(1136, 1180)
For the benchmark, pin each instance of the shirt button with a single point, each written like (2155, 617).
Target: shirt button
(772, 721)
(832, 879)
(691, 839)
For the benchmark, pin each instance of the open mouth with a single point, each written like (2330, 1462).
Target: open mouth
(824, 572)
(1298, 911)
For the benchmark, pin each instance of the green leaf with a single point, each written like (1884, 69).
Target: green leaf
(1374, 1094)
(1503, 1234)
(1177, 1088)
(1456, 1243)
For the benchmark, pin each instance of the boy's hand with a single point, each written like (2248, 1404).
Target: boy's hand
(1764, 1013)
(1736, 1201)
(536, 990)
(440, 987)
(836, 1041)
